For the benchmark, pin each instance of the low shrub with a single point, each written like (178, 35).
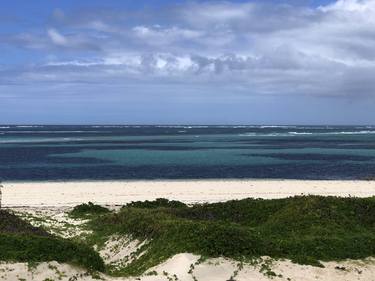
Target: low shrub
(84, 210)
(31, 248)
(22, 242)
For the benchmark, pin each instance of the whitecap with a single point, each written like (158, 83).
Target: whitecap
(285, 134)
(29, 126)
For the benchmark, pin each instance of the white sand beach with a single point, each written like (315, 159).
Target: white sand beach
(54, 194)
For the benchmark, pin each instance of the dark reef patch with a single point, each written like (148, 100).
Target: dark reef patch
(320, 171)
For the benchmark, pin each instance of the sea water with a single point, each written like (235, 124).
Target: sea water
(37, 152)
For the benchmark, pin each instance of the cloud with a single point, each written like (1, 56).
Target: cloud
(56, 37)
(158, 35)
(350, 6)
(259, 48)
(216, 13)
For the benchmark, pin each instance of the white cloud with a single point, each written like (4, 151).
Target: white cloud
(216, 12)
(56, 37)
(350, 6)
(156, 35)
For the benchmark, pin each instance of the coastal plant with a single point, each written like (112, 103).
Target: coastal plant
(157, 203)
(86, 210)
(305, 229)
(22, 242)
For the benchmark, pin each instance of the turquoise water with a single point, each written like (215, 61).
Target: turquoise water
(171, 152)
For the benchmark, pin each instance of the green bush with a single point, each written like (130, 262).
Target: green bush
(88, 209)
(33, 248)
(10, 223)
(21, 242)
(158, 203)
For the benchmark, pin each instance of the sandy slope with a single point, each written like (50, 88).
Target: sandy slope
(120, 192)
(177, 268)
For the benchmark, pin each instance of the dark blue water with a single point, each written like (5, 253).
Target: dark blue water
(186, 152)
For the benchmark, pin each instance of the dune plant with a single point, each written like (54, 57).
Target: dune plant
(305, 229)
(22, 242)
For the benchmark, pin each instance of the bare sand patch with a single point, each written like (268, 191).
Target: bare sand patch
(179, 267)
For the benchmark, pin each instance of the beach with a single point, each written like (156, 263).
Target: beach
(47, 204)
(71, 193)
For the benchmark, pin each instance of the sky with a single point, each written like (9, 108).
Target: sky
(187, 62)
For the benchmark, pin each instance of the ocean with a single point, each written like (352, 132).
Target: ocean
(185, 152)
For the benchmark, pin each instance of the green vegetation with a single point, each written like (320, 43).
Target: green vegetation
(304, 229)
(87, 210)
(20, 241)
(158, 203)
(11, 224)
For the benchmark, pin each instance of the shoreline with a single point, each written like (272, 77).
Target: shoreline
(181, 180)
(120, 192)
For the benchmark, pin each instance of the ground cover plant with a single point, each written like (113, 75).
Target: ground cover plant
(305, 229)
(21, 242)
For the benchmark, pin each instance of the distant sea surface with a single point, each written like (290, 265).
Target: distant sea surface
(186, 152)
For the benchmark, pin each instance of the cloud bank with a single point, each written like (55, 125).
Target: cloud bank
(252, 49)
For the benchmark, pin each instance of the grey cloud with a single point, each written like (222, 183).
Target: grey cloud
(256, 74)
(256, 47)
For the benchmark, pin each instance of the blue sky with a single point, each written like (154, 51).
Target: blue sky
(197, 62)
